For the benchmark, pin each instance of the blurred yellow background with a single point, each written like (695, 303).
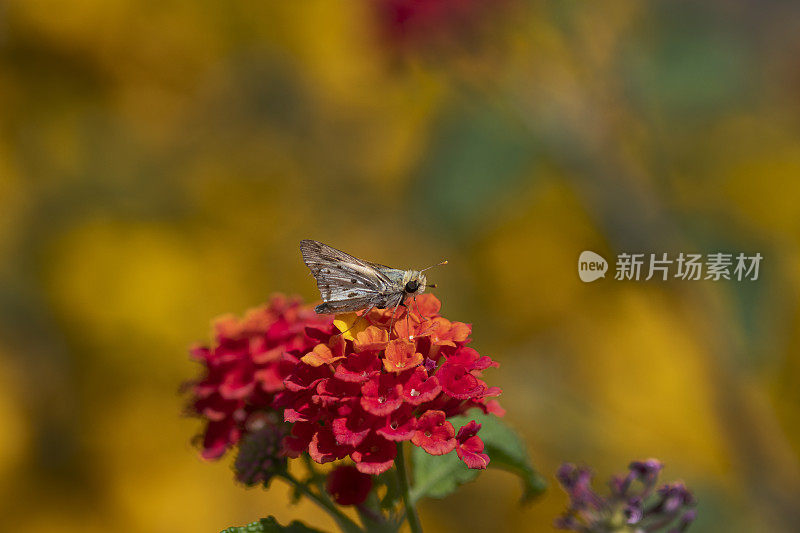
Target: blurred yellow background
(160, 161)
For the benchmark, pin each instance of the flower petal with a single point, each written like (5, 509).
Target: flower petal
(401, 355)
(373, 338)
(434, 433)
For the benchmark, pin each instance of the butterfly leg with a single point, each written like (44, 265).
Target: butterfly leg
(365, 316)
(408, 327)
(394, 311)
(423, 318)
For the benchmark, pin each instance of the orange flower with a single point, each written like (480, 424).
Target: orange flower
(326, 353)
(409, 330)
(373, 338)
(446, 333)
(426, 305)
(401, 355)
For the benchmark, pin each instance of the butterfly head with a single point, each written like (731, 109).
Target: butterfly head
(415, 282)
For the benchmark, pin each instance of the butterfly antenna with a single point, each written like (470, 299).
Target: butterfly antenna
(436, 265)
(432, 285)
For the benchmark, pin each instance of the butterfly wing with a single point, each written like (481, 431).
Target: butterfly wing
(345, 283)
(395, 275)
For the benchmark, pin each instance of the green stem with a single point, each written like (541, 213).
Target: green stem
(314, 477)
(405, 489)
(345, 524)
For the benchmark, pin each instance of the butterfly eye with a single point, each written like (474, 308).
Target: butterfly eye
(412, 286)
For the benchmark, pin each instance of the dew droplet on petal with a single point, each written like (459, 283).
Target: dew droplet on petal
(414, 393)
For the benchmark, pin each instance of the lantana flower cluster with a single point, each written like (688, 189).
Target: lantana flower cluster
(371, 382)
(354, 386)
(246, 367)
(634, 504)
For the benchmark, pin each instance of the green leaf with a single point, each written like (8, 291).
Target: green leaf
(507, 452)
(270, 525)
(439, 476)
(393, 493)
(436, 476)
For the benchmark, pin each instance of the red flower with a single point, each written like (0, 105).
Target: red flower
(306, 376)
(363, 390)
(375, 455)
(458, 383)
(381, 395)
(434, 434)
(419, 388)
(352, 428)
(299, 439)
(333, 392)
(348, 486)
(359, 367)
(323, 447)
(303, 409)
(470, 359)
(400, 425)
(246, 366)
(345, 390)
(469, 446)
(218, 436)
(434, 22)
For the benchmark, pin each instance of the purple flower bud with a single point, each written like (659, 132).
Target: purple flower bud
(566, 522)
(618, 485)
(646, 471)
(634, 511)
(260, 457)
(687, 518)
(674, 497)
(628, 504)
(577, 481)
(566, 475)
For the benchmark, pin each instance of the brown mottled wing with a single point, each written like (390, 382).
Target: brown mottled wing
(345, 283)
